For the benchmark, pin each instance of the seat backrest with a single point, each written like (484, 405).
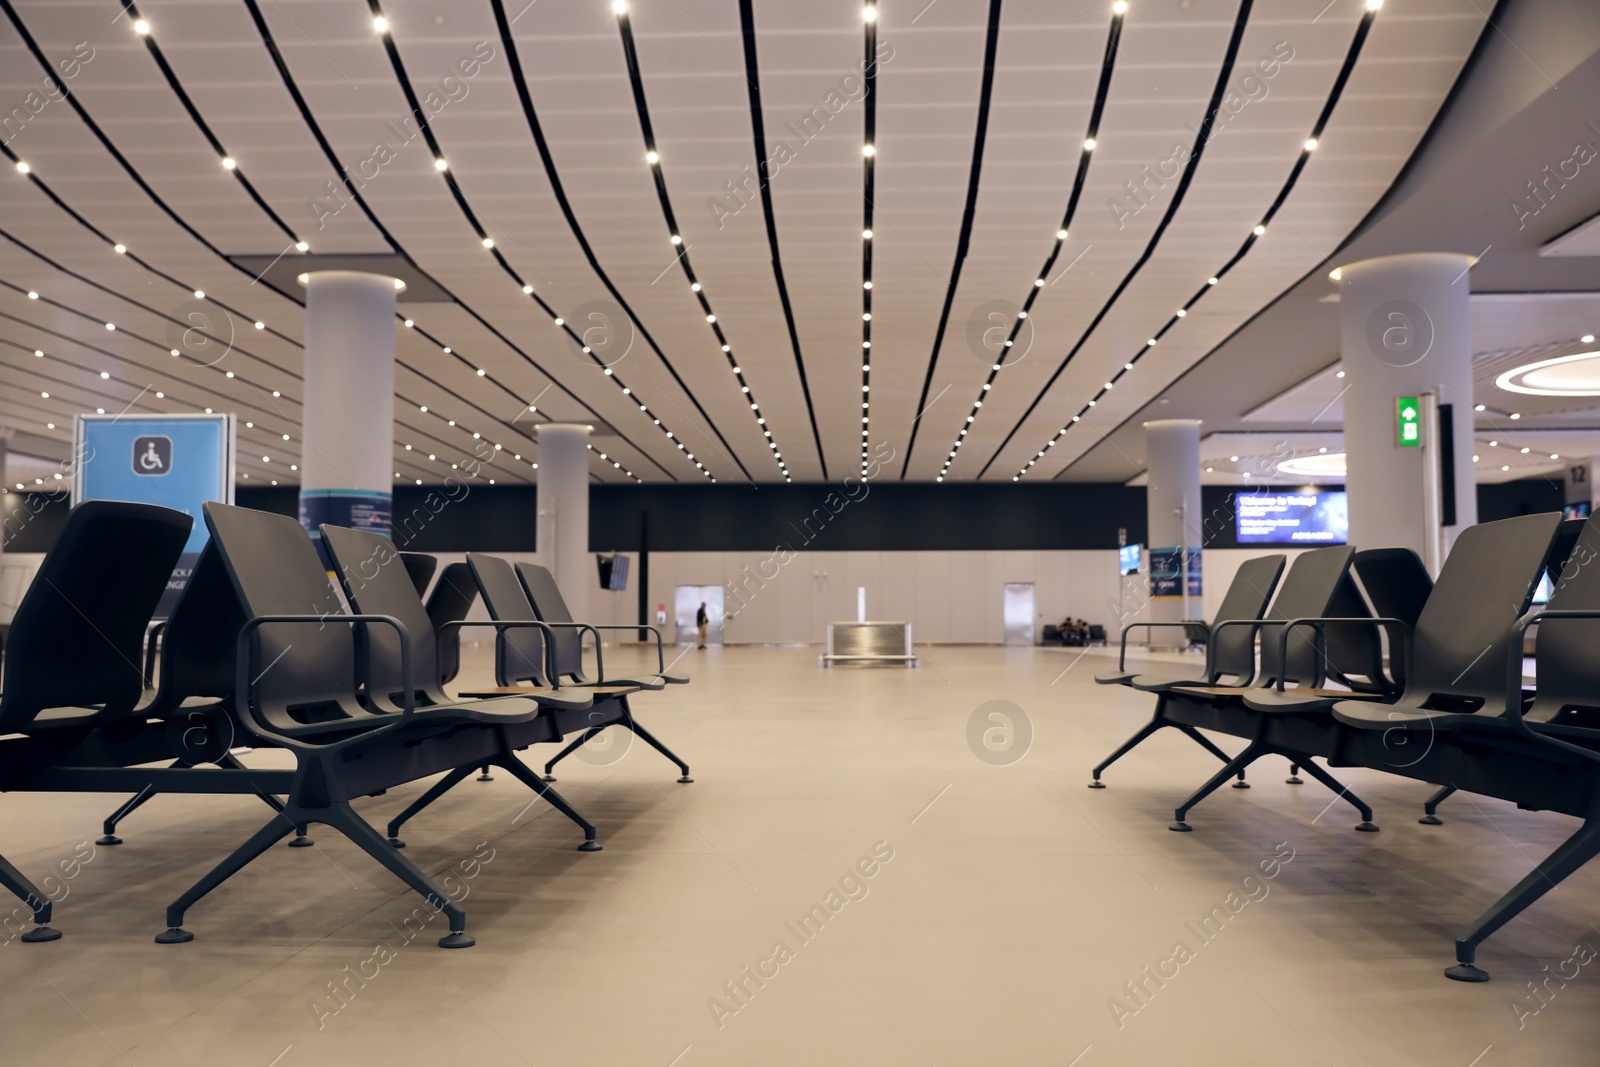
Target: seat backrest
(1233, 650)
(419, 568)
(1397, 585)
(377, 581)
(1353, 653)
(1567, 668)
(519, 651)
(275, 570)
(77, 638)
(550, 606)
(451, 601)
(1308, 591)
(1395, 581)
(1460, 643)
(201, 640)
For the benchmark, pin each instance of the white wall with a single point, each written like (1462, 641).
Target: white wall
(946, 596)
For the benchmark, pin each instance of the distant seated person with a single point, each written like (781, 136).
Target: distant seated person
(1074, 632)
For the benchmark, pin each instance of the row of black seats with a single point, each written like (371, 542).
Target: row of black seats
(1444, 700)
(260, 652)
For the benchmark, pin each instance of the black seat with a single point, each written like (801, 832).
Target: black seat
(516, 659)
(377, 583)
(451, 601)
(196, 681)
(550, 606)
(1458, 649)
(1231, 656)
(296, 687)
(419, 568)
(72, 667)
(1317, 581)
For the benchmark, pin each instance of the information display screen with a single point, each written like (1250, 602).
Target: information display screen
(1292, 518)
(1129, 559)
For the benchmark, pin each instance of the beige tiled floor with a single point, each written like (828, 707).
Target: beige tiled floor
(1015, 907)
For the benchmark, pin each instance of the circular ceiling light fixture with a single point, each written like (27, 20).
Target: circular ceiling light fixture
(1328, 465)
(1574, 375)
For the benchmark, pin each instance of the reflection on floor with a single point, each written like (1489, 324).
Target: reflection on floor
(857, 876)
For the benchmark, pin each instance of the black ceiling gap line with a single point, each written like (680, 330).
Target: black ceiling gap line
(869, 191)
(328, 152)
(112, 150)
(230, 402)
(132, 10)
(758, 134)
(980, 134)
(85, 280)
(1352, 55)
(287, 372)
(536, 129)
(315, 129)
(658, 177)
(1085, 155)
(1240, 22)
(44, 187)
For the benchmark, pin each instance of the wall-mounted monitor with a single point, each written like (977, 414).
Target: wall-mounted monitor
(613, 571)
(1292, 518)
(1129, 561)
(1579, 510)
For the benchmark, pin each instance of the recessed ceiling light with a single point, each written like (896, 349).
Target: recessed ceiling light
(23, 168)
(380, 24)
(441, 165)
(652, 157)
(1259, 230)
(1089, 144)
(869, 150)
(869, 13)
(141, 27)
(228, 163)
(1310, 145)
(301, 246)
(488, 242)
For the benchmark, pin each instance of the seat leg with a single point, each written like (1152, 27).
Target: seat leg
(129, 806)
(1294, 774)
(524, 774)
(1127, 746)
(485, 776)
(648, 738)
(1573, 853)
(343, 818)
(29, 894)
(570, 749)
(231, 762)
(1431, 806)
(1254, 752)
(1206, 743)
(435, 791)
(1366, 824)
(276, 829)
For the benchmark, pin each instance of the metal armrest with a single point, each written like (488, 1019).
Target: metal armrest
(1513, 713)
(246, 657)
(506, 624)
(1122, 657)
(599, 657)
(1318, 624)
(661, 659)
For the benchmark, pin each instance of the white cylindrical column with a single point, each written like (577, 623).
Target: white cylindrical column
(1405, 331)
(347, 450)
(1172, 503)
(563, 495)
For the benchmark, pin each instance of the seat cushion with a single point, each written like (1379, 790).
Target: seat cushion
(1114, 677)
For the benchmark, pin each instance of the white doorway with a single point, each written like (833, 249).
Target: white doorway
(687, 602)
(1018, 613)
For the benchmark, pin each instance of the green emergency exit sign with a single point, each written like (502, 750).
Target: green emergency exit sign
(1408, 421)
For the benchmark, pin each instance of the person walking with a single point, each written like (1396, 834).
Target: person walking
(703, 622)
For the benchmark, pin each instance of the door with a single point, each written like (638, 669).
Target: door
(687, 601)
(1018, 613)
